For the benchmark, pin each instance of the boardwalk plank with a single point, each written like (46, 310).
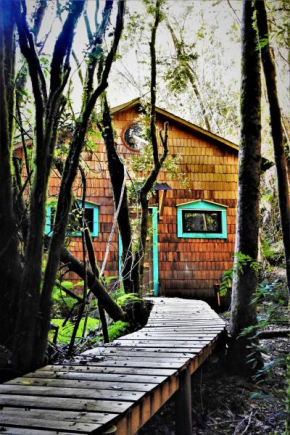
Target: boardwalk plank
(78, 417)
(145, 353)
(64, 403)
(24, 431)
(162, 343)
(140, 363)
(171, 337)
(126, 370)
(41, 423)
(97, 377)
(66, 383)
(80, 393)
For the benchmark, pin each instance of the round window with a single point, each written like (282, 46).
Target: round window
(134, 137)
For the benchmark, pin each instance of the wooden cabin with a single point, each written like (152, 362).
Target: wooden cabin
(193, 225)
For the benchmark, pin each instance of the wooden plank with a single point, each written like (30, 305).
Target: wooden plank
(183, 330)
(24, 431)
(66, 383)
(162, 344)
(186, 318)
(174, 338)
(185, 323)
(169, 337)
(199, 322)
(174, 325)
(153, 353)
(14, 420)
(135, 350)
(64, 403)
(140, 363)
(126, 370)
(55, 415)
(97, 377)
(133, 356)
(81, 393)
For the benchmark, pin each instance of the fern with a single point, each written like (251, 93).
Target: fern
(117, 329)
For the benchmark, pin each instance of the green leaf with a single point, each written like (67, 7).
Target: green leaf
(67, 284)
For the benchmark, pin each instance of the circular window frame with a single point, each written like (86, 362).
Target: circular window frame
(128, 125)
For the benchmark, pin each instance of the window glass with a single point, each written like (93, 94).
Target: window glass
(75, 220)
(74, 223)
(195, 221)
(134, 137)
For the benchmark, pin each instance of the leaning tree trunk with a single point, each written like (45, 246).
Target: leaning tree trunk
(243, 313)
(117, 173)
(10, 268)
(279, 139)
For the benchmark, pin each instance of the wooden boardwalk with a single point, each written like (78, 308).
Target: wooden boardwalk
(116, 388)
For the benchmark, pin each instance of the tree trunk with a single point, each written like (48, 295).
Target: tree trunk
(117, 174)
(279, 139)
(96, 287)
(157, 160)
(243, 313)
(10, 267)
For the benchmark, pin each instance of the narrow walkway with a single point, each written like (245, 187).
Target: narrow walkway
(119, 386)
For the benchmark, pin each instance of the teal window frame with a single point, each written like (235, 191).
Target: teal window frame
(95, 231)
(202, 206)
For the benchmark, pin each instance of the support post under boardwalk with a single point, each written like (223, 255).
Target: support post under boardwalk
(183, 410)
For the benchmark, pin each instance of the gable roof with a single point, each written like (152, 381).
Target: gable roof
(194, 128)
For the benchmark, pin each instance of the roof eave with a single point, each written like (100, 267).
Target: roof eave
(189, 125)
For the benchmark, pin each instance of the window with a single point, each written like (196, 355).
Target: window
(201, 219)
(134, 137)
(75, 219)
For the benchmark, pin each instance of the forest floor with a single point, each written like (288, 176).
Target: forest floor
(224, 405)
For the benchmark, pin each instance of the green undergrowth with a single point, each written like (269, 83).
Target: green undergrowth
(65, 330)
(117, 329)
(93, 331)
(136, 310)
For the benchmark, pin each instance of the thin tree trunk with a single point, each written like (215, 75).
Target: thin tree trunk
(243, 313)
(88, 246)
(279, 139)
(157, 160)
(117, 174)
